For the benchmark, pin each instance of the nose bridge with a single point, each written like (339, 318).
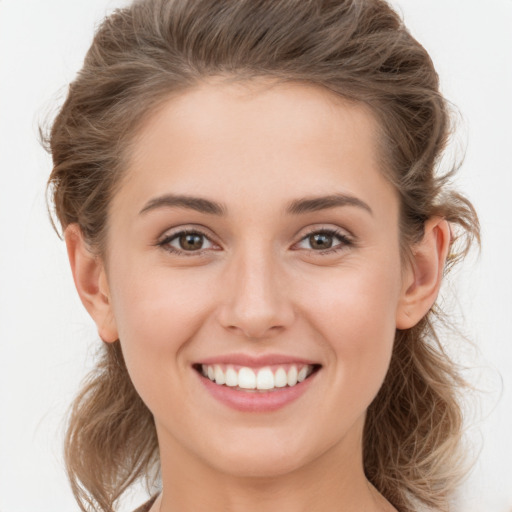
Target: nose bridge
(256, 303)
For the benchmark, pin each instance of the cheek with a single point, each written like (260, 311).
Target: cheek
(155, 305)
(356, 319)
(156, 315)
(356, 299)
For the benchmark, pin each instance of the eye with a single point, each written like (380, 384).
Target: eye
(325, 241)
(186, 242)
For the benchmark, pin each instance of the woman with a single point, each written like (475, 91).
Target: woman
(254, 221)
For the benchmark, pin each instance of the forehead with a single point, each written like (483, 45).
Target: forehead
(211, 112)
(256, 141)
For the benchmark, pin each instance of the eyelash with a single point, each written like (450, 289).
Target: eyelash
(345, 241)
(164, 244)
(342, 237)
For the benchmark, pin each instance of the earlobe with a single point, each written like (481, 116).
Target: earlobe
(423, 278)
(91, 282)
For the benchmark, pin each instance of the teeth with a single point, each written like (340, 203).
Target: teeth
(292, 376)
(280, 378)
(220, 378)
(246, 378)
(302, 374)
(262, 379)
(265, 379)
(231, 378)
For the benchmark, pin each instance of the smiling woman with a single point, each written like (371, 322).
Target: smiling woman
(254, 221)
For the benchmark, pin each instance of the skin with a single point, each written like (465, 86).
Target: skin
(258, 286)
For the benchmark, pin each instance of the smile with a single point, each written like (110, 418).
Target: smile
(256, 384)
(266, 378)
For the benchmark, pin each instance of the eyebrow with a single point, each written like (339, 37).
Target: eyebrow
(183, 201)
(295, 207)
(313, 204)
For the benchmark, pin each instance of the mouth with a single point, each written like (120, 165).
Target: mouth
(263, 379)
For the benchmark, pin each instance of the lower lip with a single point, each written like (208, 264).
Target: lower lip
(257, 401)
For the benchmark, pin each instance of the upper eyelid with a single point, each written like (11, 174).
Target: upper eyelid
(174, 232)
(204, 231)
(334, 231)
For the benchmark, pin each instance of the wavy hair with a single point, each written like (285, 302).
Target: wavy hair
(358, 49)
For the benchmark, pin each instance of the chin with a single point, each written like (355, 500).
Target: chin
(263, 457)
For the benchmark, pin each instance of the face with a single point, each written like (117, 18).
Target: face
(254, 238)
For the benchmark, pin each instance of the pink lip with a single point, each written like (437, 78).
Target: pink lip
(255, 361)
(256, 401)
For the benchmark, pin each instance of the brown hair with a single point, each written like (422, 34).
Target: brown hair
(358, 49)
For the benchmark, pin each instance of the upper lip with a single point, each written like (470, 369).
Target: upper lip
(255, 361)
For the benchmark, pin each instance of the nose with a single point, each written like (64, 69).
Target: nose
(255, 300)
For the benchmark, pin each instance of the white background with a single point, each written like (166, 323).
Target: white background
(46, 339)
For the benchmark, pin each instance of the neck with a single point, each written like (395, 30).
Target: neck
(334, 481)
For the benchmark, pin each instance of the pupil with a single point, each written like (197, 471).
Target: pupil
(191, 242)
(321, 241)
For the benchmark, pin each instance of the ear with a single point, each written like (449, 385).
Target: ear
(424, 275)
(91, 282)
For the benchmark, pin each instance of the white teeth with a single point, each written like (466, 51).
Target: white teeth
(280, 378)
(220, 378)
(246, 378)
(292, 376)
(262, 379)
(265, 379)
(231, 377)
(302, 374)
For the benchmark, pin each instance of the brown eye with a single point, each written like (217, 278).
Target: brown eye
(191, 241)
(325, 241)
(320, 241)
(186, 242)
